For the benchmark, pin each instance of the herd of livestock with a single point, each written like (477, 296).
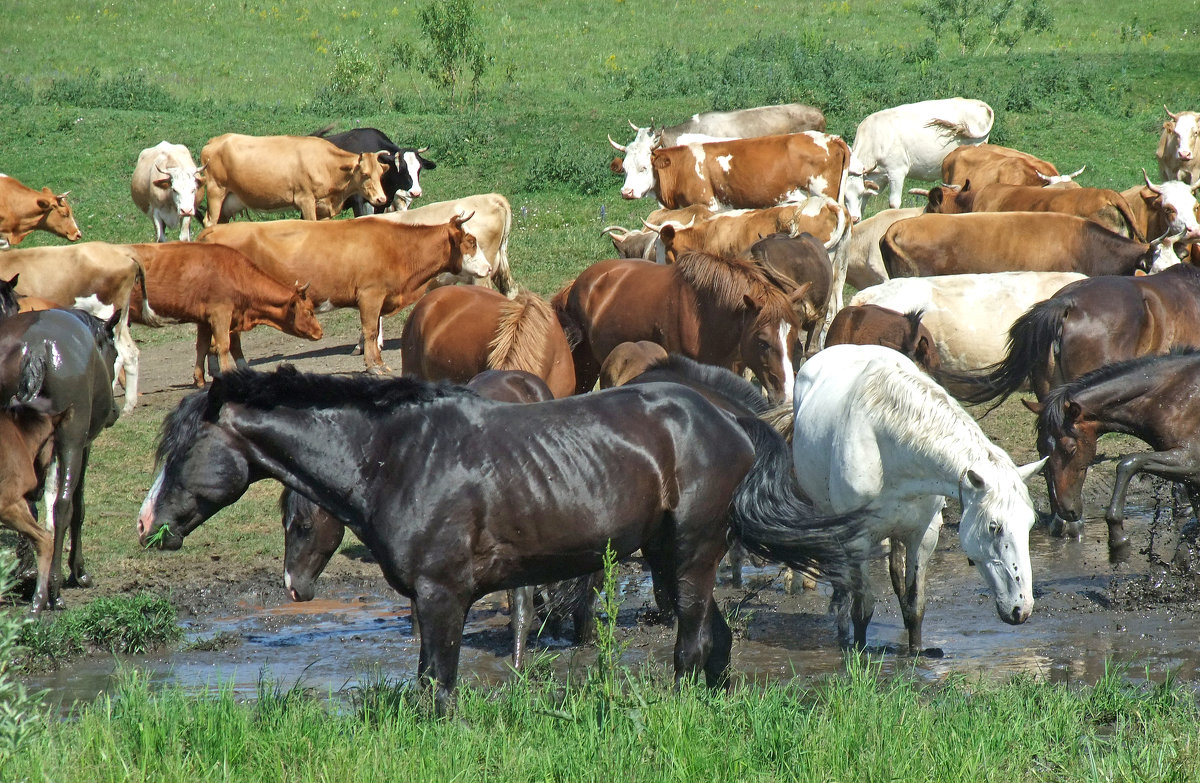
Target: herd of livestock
(1012, 277)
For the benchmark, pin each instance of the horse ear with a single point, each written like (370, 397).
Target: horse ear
(975, 479)
(1034, 406)
(749, 302)
(1072, 410)
(1027, 472)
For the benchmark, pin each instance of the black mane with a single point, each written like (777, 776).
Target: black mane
(721, 381)
(289, 387)
(1054, 408)
(181, 426)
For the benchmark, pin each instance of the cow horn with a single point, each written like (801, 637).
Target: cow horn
(1169, 114)
(1151, 185)
(919, 191)
(158, 167)
(690, 223)
(1160, 238)
(652, 227)
(1077, 173)
(636, 128)
(422, 150)
(302, 289)
(617, 147)
(1042, 176)
(464, 216)
(64, 194)
(608, 229)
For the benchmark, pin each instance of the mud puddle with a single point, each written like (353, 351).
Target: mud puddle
(346, 639)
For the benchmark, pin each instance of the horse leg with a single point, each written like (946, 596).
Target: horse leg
(1179, 464)
(59, 499)
(78, 576)
(443, 613)
(18, 517)
(896, 557)
(737, 559)
(862, 606)
(702, 640)
(520, 602)
(918, 548)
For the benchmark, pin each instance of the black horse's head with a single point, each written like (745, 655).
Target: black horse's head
(311, 536)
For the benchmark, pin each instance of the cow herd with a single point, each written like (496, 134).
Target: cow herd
(758, 229)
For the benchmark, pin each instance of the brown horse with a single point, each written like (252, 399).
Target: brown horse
(726, 312)
(874, 325)
(1086, 325)
(1152, 398)
(455, 333)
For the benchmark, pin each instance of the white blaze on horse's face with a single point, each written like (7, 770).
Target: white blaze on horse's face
(145, 520)
(789, 371)
(994, 533)
(639, 173)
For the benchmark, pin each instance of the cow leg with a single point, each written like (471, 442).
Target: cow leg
(160, 227)
(235, 350)
(835, 304)
(185, 229)
(216, 200)
(16, 516)
(307, 206)
(220, 324)
(127, 354)
(78, 575)
(203, 341)
(370, 310)
(896, 186)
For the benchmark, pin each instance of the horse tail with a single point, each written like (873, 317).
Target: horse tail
(773, 519)
(520, 339)
(1031, 341)
(782, 419)
(32, 374)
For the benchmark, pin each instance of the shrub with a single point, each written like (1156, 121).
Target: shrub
(976, 21)
(452, 27)
(126, 90)
(567, 161)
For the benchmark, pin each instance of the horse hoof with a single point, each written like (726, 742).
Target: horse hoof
(1118, 551)
(356, 350)
(82, 579)
(58, 603)
(932, 652)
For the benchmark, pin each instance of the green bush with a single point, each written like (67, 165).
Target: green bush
(581, 166)
(452, 28)
(126, 90)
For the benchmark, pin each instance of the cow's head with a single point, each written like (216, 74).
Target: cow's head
(637, 165)
(1185, 127)
(674, 239)
(943, 199)
(299, 319)
(365, 177)
(1175, 203)
(409, 165)
(473, 261)
(56, 215)
(178, 186)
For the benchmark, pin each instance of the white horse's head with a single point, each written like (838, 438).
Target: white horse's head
(994, 532)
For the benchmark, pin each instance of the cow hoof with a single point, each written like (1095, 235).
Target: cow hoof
(379, 369)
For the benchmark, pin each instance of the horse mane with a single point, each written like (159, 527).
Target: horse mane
(719, 380)
(730, 280)
(1053, 415)
(289, 387)
(522, 334)
(181, 427)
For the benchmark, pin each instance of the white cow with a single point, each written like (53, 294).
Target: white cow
(703, 128)
(164, 186)
(1178, 150)
(968, 315)
(860, 253)
(912, 140)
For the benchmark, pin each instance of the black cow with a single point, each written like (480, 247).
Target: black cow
(404, 164)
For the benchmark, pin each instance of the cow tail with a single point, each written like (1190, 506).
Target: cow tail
(503, 277)
(149, 317)
(771, 517)
(571, 326)
(1032, 342)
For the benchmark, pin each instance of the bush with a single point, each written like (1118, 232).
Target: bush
(977, 21)
(566, 161)
(452, 27)
(127, 90)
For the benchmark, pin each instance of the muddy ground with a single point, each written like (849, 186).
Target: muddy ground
(1089, 610)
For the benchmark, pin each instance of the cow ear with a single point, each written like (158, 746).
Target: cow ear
(667, 233)
(659, 161)
(966, 186)
(426, 163)
(935, 197)
(44, 204)
(13, 283)
(617, 166)
(164, 183)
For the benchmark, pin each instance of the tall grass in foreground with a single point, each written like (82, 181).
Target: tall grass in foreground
(859, 726)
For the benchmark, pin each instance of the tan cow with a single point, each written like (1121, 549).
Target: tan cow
(370, 263)
(1012, 241)
(491, 222)
(23, 210)
(991, 164)
(1178, 150)
(282, 172)
(859, 255)
(1106, 207)
(224, 294)
(92, 270)
(751, 173)
(1169, 208)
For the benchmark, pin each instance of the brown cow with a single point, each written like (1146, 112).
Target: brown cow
(223, 293)
(1011, 241)
(632, 244)
(751, 173)
(874, 325)
(991, 164)
(370, 263)
(24, 210)
(1103, 206)
(732, 233)
(281, 172)
(91, 275)
(1169, 208)
(629, 360)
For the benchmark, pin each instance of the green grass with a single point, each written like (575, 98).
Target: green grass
(119, 624)
(858, 726)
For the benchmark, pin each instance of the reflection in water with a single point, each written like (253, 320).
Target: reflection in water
(330, 644)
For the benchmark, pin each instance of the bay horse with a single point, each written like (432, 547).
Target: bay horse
(313, 535)
(1152, 398)
(876, 438)
(456, 332)
(68, 358)
(457, 496)
(1086, 325)
(722, 311)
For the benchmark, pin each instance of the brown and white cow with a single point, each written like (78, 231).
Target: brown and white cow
(282, 172)
(490, 223)
(992, 164)
(165, 181)
(1178, 150)
(1013, 241)
(370, 263)
(96, 271)
(224, 294)
(23, 210)
(705, 127)
(1106, 207)
(750, 173)
(1169, 208)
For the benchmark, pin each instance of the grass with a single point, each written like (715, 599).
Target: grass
(118, 624)
(858, 726)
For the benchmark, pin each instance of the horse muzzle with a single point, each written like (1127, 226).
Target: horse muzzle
(1014, 615)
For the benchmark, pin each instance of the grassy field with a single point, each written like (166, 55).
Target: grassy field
(84, 86)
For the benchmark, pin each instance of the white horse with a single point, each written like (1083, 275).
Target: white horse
(876, 437)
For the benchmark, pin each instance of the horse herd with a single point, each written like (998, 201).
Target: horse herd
(526, 476)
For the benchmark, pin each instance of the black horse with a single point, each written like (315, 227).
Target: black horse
(66, 357)
(457, 496)
(311, 536)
